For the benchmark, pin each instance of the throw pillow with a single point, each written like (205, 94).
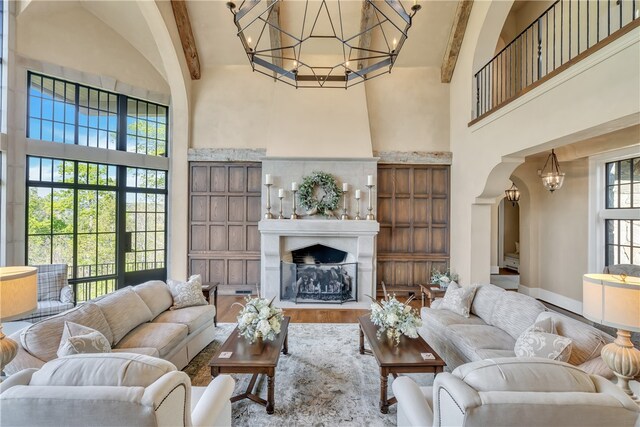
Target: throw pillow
(543, 344)
(187, 294)
(543, 325)
(50, 284)
(78, 339)
(66, 294)
(458, 299)
(517, 247)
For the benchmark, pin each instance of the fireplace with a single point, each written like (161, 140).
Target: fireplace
(318, 274)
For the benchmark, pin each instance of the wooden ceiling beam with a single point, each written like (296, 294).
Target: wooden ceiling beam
(366, 21)
(456, 36)
(274, 34)
(181, 16)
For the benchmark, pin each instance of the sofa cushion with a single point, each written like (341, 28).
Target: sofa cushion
(118, 370)
(458, 299)
(163, 336)
(587, 340)
(193, 317)
(469, 338)
(444, 318)
(147, 351)
(187, 294)
(492, 353)
(50, 283)
(78, 339)
(124, 310)
(156, 295)
(43, 338)
(534, 343)
(524, 375)
(486, 297)
(597, 366)
(515, 312)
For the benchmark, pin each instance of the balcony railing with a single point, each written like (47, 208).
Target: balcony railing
(567, 29)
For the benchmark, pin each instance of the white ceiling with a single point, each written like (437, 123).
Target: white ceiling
(218, 44)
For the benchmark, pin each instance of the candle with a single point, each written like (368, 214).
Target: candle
(345, 186)
(294, 186)
(281, 192)
(370, 180)
(268, 179)
(358, 194)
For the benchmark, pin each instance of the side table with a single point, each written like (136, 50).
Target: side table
(206, 290)
(431, 294)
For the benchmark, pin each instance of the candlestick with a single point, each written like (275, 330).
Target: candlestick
(294, 215)
(281, 196)
(370, 215)
(370, 180)
(345, 187)
(294, 186)
(268, 215)
(344, 203)
(357, 217)
(268, 179)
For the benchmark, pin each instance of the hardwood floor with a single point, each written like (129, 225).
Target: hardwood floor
(227, 312)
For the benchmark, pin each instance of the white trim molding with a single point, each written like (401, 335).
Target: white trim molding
(561, 301)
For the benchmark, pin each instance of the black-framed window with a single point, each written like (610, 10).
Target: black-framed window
(622, 225)
(74, 216)
(623, 184)
(72, 113)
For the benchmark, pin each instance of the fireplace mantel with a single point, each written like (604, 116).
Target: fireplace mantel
(280, 236)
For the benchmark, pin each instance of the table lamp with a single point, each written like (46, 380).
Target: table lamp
(18, 296)
(614, 300)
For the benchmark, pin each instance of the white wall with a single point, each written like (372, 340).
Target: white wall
(583, 101)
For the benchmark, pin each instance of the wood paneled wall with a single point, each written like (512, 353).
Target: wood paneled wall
(413, 211)
(224, 241)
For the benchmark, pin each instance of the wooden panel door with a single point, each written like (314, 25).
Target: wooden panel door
(413, 211)
(224, 210)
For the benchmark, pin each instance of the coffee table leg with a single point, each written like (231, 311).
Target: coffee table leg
(271, 393)
(384, 403)
(361, 340)
(285, 347)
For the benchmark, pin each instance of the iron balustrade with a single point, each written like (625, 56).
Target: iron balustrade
(563, 31)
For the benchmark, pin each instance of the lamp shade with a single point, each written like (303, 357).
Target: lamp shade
(18, 291)
(612, 300)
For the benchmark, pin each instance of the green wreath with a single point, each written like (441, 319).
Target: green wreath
(330, 199)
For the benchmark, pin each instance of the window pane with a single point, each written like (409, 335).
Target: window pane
(39, 211)
(63, 206)
(39, 250)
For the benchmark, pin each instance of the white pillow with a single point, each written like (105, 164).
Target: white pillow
(458, 299)
(77, 339)
(187, 294)
(543, 344)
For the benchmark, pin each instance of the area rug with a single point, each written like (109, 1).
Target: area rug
(323, 381)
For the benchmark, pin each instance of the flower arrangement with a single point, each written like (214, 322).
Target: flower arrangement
(258, 319)
(443, 279)
(395, 318)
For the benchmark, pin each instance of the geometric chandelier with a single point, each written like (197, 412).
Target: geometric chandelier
(323, 43)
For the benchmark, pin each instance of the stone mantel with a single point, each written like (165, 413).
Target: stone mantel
(281, 236)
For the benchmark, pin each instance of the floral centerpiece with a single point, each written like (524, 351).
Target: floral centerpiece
(443, 279)
(395, 318)
(259, 319)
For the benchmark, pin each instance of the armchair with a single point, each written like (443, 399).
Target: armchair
(114, 389)
(55, 295)
(514, 391)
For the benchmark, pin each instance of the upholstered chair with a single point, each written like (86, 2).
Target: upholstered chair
(514, 391)
(55, 295)
(116, 389)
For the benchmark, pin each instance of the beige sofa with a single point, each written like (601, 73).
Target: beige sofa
(118, 389)
(497, 319)
(134, 319)
(514, 392)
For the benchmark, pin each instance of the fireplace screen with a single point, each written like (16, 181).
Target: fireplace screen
(319, 283)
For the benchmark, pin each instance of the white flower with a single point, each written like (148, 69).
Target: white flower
(265, 312)
(407, 309)
(275, 324)
(391, 319)
(445, 279)
(264, 327)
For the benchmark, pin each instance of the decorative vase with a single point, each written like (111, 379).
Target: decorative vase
(257, 346)
(391, 340)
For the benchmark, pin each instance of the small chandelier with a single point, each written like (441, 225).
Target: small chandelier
(553, 179)
(512, 194)
(322, 43)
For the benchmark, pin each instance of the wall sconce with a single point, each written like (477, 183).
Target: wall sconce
(512, 194)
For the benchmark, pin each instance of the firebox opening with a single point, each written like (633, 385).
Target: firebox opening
(318, 254)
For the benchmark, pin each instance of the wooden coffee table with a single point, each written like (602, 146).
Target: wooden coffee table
(244, 360)
(404, 359)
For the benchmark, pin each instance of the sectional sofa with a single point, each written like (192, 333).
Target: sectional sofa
(497, 319)
(134, 319)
